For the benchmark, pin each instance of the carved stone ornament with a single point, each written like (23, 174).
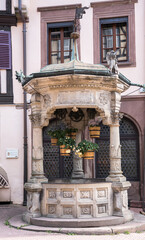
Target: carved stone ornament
(35, 119)
(103, 98)
(47, 101)
(116, 117)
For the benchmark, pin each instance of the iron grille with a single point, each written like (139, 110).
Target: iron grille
(129, 152)
(55, 166)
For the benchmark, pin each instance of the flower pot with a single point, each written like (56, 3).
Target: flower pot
(54, 141)
(64, 151)
(89, 155)
(94, 131)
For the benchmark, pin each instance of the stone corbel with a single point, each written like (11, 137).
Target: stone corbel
(115, 102)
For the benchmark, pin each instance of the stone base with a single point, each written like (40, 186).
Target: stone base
(28, 216)
(77, 175)
(77, 223)
(114, 178)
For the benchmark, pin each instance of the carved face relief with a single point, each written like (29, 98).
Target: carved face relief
(47, 101)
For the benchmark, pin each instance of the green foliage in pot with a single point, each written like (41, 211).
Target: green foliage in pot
(67, 141)
(85, 145)
(58, 133)
(70, 130)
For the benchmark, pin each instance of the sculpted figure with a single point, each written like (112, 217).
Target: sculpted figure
(112, 61)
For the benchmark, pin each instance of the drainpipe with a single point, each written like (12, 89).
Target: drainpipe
(25, 102)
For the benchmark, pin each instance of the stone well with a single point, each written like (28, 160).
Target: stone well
(76, 85)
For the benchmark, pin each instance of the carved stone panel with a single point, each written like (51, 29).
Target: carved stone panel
(102, 193)
(102, 209)
(52, 209)
(67, 211)
(51, 194)
(77, 97)
(85, 195)
(86, 210)
(67, 194)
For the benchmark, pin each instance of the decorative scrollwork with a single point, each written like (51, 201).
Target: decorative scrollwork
(76, 116)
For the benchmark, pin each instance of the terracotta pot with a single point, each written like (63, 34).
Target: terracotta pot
(54, 141)
(94, 132)
(89, 155)
(64, 151)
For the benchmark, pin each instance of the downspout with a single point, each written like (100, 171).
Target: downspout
(25, 102)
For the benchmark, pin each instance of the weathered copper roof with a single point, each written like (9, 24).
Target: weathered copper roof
(74, 67)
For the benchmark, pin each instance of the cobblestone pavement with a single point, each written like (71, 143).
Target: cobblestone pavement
(6, 232)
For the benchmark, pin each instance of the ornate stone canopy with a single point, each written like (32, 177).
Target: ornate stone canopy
(78, 84)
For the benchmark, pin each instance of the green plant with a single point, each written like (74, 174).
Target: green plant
(70, 130)
(85, 145)
(126, 232)
(67, 141)
(7, 223)
(58, 133)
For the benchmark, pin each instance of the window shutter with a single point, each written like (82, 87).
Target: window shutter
(5, 50)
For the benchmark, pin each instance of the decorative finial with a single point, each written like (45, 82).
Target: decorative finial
(112, 61)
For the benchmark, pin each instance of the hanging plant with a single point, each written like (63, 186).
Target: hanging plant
(55, 135)
(87, 149)
(94, 131)
(71, 132)
(94, 128)
(66, 145)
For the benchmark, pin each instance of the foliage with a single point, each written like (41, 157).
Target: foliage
(67, 141)
(70, 130)
(85, 145)
(58, 133)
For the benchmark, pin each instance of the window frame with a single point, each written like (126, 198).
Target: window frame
(114, 22)
(60, 25)
(115, 9)
(7, 98)
(54, 14)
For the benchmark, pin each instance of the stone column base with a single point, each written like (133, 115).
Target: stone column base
(116, 178)
(33, 189)
(120, 200)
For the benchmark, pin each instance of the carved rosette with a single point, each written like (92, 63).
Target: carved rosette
(35, 119)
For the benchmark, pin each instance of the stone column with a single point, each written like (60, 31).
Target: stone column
(77, 167)
(37, 153)
(119, 185)
(115, 154)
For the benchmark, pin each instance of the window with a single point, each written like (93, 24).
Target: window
(3, 5)
(59, 42)
(54, 19)
(114, 28)
(5, 50)
(6, 90)
(114, 37)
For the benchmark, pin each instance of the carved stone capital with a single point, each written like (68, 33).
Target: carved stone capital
(116, 117)
(35, 119)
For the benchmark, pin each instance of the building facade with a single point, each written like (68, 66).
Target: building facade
(107, 25)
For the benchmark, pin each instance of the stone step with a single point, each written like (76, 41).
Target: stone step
(77, 223)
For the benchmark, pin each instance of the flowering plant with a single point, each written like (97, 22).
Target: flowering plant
(67, 141)
(85, 145)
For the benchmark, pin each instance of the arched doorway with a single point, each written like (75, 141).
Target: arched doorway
(129, 138)
(55, 166)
